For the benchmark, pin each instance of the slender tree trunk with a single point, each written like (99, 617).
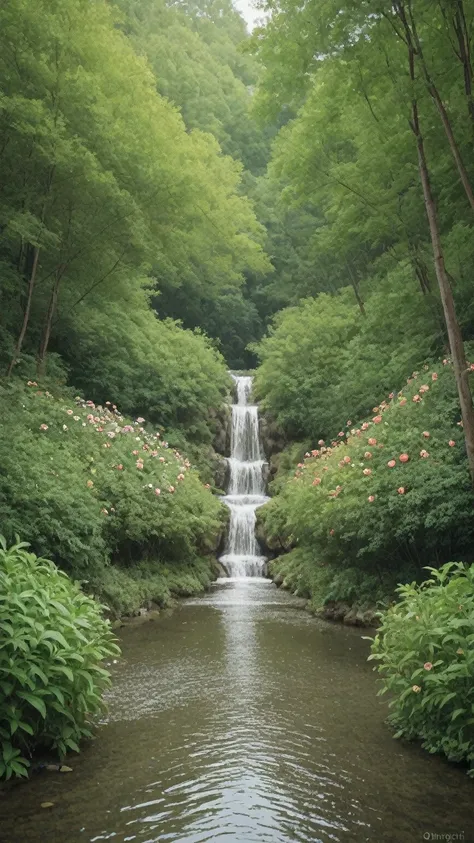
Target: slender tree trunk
(414, 44)
(452, 325)
(463, 53)
(454, 332)
(355, 287)
(43, 349)
(26, 315)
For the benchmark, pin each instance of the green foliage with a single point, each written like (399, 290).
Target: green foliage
(426, 660)
(109, 199)
(323, 360)
(126, 590)
(385, 496)
(86, 485)
(53, 642)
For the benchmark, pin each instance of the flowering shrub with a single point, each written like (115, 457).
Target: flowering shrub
(426, 660)
(393, 508)
(85, 485)
(53, 642)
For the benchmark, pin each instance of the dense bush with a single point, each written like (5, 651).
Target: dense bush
(426, 659)
(384, 498)
(323, 357)
(53, 642)
(152, 368)
(85, 485)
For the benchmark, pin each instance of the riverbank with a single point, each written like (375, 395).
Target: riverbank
(286, 574)
(146, 588)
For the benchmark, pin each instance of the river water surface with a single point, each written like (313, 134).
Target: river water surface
(239, 718)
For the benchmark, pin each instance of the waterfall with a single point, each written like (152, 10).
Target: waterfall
(246, 491)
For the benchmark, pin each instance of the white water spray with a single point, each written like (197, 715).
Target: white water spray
(246, 487)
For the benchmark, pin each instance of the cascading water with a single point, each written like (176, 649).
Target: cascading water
(246, 490)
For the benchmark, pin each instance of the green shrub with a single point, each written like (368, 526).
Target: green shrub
(126, 590)
(86, 486)
(425, 654)
(323, 362)
(357, 507)
(53, 640)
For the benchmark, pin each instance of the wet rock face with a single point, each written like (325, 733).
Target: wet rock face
(220, 471)
(222, 425)
(273, 440)
(351, 615)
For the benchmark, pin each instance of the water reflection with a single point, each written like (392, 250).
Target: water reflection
(239, 718)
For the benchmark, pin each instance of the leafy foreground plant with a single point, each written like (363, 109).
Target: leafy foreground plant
(424, 647)
(53, 640)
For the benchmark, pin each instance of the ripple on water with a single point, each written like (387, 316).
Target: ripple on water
(241, 719)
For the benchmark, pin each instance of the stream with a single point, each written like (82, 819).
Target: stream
(240, 718)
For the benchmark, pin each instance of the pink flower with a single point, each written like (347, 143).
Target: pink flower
(316, 481)
(341, 433)
(372, 441)
(307, 455)
(451, 443)
(403, 401)
(348, 423)
(325, 468)
(347, 459)
(434, 376)
(391, 463)
(69, 412)
(427, 665)
(119, 467)
(157, 492)
(162, 459)
(140, 420)
(43, 426)
(364, 426)
(321, 442)
(107, 403)
(135, 453)
(377, 419)
(180, 477)
(139, 465)
(367, 471)
(89, 484)
(371, 498)
(401, 490)
(391, 395)
(445, 361)
(416, 399)
(171, 489)
(424, 388)
(404, 458)
(315, 453)
(367, 455)
(424, 454)
(331, 532)
(426, 434)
